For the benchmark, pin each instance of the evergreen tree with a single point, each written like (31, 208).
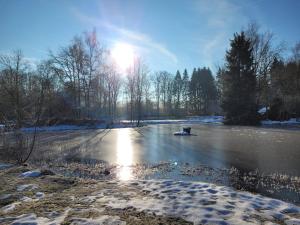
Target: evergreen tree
(202, 90)
(239, 83)
(185, 90)
(208, 87)
(195, 92)
(177, 89)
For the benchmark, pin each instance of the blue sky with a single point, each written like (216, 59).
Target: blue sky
(168, 34)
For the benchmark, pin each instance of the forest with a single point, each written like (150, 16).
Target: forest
(81, 82)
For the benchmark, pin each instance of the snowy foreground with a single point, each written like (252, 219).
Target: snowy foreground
(105, 202)
(203, 203)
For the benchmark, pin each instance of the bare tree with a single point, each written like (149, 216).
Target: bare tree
(264, 53)
(157, 78)
(136, 81)
(22, 90)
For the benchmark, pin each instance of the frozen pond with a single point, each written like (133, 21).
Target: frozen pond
(247, 148)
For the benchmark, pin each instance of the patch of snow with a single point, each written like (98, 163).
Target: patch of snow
(5, 165)
(26, 199)
(293, 222)
(191, 120)
(39, 195)
(30, 187)
(10, 207)
(35, 173)
(292, 121)
(31, 218)
(58, 218)
(2, 127)
(181, 133)
(5, 196)
(54, 128)
(202, 203)
(105, 219)
(88, 199)
(263, 110)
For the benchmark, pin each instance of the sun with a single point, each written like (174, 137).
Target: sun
(123, 55)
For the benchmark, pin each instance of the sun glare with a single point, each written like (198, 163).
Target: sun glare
(123, 55)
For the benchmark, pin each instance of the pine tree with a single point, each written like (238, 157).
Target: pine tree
(185, 90)
(208, 87)
(177, 89)
(194, 92)
(239, 84)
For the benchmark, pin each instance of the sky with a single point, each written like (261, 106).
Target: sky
(168, 34)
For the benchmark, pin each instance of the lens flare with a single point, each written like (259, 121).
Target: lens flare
(123, 55)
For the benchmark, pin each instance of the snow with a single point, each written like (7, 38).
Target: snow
(201, 203)
(26, 199)
(57, 128)
(196, 202)
(5, 165)
(263, 110)
(127, 123)
(190, 120)
(181, 133)
(9, 207)
(292, 121)
(39, 195)
(33, 219)
(54, 128)
(105, 219)
(293, 222)
(29, 187)
(57, 218)
(35, 173)
(5, 196)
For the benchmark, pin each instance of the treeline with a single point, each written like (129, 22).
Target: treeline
(82, 81)
(256, 78)
(181, 95)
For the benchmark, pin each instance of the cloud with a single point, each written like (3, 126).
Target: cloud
(220, 13)
(139, 38)
(221, 18)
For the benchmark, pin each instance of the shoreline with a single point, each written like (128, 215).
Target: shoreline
(293, 123)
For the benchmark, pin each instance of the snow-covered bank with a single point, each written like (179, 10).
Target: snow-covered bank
(292, 121)
(5, 165)
(127, 123)
(189, 120)
(73, 127)
(202, 203)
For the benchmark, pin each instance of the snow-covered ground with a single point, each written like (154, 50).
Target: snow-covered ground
(196, 202)
(203, 203)
(5, 165)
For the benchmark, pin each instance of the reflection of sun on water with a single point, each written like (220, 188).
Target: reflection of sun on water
(124, 155)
